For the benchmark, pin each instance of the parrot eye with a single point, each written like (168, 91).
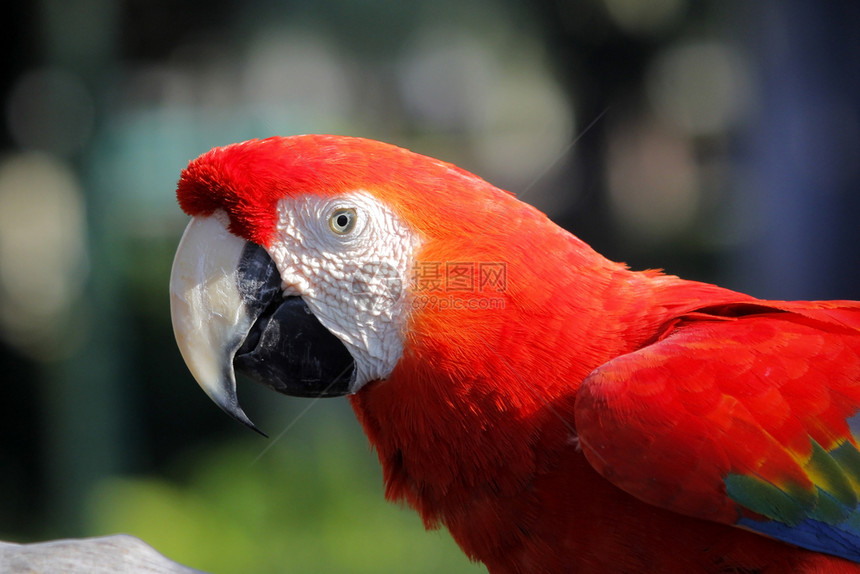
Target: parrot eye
(342, 221)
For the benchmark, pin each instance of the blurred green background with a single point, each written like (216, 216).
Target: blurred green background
(719, 140)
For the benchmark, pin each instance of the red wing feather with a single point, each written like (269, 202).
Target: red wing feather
(736, 414)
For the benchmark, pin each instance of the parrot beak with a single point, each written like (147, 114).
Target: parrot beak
(228, 311)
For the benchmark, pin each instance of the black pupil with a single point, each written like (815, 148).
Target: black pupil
(342, 220)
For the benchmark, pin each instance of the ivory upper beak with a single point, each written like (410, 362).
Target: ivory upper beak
(210, 319)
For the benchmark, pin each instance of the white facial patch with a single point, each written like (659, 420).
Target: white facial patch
(349, 257)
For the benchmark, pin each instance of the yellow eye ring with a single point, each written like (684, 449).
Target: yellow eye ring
(342, 221)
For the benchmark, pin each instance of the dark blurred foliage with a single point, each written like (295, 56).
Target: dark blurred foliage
(606, 67)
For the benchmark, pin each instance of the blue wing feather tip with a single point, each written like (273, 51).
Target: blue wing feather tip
(811, 534)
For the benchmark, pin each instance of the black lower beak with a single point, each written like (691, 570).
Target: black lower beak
(287, 348)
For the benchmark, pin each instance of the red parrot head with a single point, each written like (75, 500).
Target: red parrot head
(300, 264)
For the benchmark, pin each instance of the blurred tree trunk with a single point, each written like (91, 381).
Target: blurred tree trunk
(802, 200)
(84, 406)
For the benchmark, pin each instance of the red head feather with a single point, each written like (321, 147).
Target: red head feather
(248, 179)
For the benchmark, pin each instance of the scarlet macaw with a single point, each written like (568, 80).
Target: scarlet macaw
(556, 411)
